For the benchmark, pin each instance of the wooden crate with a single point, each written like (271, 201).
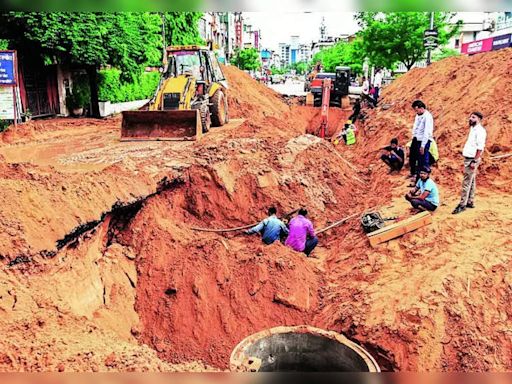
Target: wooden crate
(399, 229)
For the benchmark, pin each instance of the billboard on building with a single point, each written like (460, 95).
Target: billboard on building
(503, 41)
(504, 21)
(477, 46)
(238, 33)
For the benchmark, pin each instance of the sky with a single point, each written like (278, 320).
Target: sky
(277, 27)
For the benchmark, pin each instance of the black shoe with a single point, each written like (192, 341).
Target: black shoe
(458, 209)
(470, 205)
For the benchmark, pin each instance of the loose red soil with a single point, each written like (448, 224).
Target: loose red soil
(103, 271)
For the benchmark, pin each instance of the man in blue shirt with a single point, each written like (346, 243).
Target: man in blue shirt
(271, 228)
(425, 196)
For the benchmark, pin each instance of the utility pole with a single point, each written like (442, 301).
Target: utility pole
(429, 49)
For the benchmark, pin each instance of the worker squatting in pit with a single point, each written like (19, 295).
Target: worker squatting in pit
(298, 235)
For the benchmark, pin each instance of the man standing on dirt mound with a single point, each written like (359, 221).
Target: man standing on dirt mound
(302, 235)
(377, 84)
(472, 153)
(271, 228)
(422, 135)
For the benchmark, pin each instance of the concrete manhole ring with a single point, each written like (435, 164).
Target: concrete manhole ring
(301, 349)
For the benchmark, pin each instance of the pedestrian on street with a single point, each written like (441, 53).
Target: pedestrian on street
(365, 93)
(271, 228)
(425, 195)
(422, 134)
(302, 235)
(377, 83)
(394, 156)
(472, 152)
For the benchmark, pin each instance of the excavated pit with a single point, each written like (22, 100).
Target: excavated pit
(134, 288)
(300, 349)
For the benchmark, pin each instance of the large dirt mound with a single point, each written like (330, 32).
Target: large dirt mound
(434, 299)
(267, 112)
(248, 98)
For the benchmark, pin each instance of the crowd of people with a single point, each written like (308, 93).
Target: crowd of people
(423, 154)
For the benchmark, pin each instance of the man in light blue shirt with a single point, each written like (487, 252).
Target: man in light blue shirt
(271, 228)
(425, 196)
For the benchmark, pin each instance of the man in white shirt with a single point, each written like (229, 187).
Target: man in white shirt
(422, 135)
(366, 91)
(472, 153)
(377, 83)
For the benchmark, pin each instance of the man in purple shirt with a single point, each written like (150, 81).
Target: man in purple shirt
(302, 235)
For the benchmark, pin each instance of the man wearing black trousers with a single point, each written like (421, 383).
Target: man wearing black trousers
(422, 134)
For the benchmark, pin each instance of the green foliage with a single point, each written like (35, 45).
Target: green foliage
(111, 88)
(300, 67)
(342, 54)
(4, 124)
(247, 59)
(443, 53)
(80, 95)
(405, 5)
(181, 28)
(4, 44)
(129, 41)
(397, 37)
(277, 71)
(104, 5)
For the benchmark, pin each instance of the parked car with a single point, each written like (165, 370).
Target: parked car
(277, 79)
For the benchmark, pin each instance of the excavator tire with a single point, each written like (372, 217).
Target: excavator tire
(219, 109)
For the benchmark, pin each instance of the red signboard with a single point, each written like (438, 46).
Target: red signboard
(477, 46)
(238, 33)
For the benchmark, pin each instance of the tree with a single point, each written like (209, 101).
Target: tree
(129, 41)
(247, 59)
(277, 71)
(181, 28)
(397, 37)
(342, 54)
(300, 67)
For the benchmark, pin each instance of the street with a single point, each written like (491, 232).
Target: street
(290, 88)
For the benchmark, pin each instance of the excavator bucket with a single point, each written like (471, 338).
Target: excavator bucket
(161, 125)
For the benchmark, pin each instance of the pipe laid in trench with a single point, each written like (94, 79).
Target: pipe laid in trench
(237, 228)
(337, 223)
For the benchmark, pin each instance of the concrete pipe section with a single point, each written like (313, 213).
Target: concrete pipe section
(300, 349)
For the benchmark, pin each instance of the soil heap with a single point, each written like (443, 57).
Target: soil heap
(103, 271)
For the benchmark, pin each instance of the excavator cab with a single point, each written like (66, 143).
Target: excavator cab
(191, 97)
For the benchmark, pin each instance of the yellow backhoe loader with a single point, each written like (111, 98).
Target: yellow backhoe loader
(191, 97)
